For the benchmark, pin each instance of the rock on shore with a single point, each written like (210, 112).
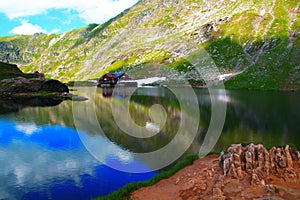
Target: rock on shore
(15, 83)
(259, 162)
(24, 85)
(272, 171)
(243, 172)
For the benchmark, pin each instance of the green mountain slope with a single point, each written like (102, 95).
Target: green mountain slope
(255, 42)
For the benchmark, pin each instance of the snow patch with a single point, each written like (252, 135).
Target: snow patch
(54, 40)
(141, 82)
(224, 76)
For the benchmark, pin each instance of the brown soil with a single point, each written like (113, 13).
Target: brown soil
(205, 180)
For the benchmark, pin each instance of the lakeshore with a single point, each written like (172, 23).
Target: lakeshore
(244, 172)
(50, 131)
(213, 177)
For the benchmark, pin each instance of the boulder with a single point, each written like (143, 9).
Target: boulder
(23, 85)
(54, 86)
(259, 163)
(20, 85)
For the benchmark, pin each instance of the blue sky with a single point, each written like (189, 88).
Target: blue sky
(55, 16)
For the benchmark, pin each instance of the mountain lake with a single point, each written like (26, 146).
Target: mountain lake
(82, 149)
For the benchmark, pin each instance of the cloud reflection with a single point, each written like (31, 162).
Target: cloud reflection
(33, 158)
(28, 129)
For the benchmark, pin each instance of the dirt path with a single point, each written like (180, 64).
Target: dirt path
(186, 181)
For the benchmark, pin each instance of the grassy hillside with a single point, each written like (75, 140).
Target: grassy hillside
(257, 41)
(12, 71)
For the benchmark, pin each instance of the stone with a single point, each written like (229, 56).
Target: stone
(279, 158)
(272, 157)
(259, 163)
(23, 85)
(203, 187)
(233, 171)
(54, 86)
(261, 156)
(237, 164)
(251, 148)
(255, 179)
(177, 181)
(298, 154)
(235, 148)
(7, 80)
(267, 161)
(289, 160)
(209, 174)
(270, 187)
(289, 173)
(20, 85)
(249, 161)
(227, 161)
(218, 194)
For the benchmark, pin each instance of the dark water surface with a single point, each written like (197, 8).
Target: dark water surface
(45, 147)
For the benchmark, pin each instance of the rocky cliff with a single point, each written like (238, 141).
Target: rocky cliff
(255, 43)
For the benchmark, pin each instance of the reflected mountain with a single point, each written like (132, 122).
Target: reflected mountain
(270, 118)
(267, 117)
(16, 104)
(139, 105)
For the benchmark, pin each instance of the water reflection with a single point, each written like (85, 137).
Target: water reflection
(16, 104)
(252, 116)
(50, 162)
(42, 157)
(147, 109)
(107, 92)
(125, 92)
(270, 118)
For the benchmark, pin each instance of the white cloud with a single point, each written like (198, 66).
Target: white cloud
(28, 129)
(92, 11)
(27, 28)
(56, 30)
(100, 11)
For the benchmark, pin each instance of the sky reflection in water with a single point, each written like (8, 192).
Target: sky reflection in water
(50, 162)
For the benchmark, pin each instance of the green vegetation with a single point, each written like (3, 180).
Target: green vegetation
(81, 83)
(260, 36)
(43, 94)
(227, 53)
(12, 71)
(24, 90)
(271, 71)
(156, 56)
(182, 65)
(125, 192)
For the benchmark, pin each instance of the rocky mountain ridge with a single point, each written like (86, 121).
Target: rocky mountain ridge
(255, 43)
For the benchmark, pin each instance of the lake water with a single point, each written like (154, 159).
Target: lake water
(81, 150)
